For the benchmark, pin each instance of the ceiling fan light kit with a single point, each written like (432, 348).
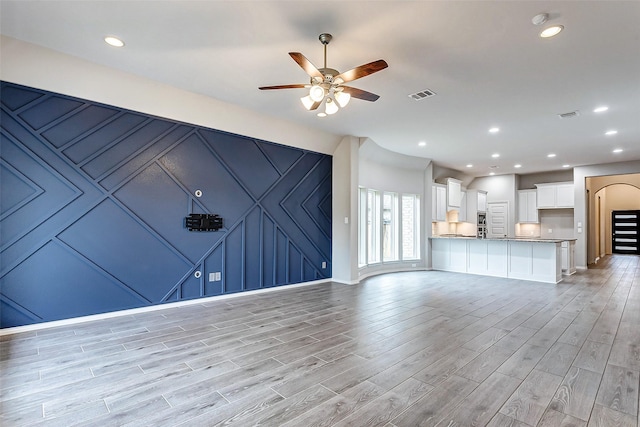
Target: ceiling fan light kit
(326, 88)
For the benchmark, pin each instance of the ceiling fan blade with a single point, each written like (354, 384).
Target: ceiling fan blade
(306, 65)
(360, 94)
(298, 86)
(362, 71)
(315, 106)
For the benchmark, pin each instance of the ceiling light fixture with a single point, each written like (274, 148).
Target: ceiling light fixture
(566, 166)
(551, 155)
(517, 166)
(492, 173)
(326, 85)
(495, 155)
(611, 132)
(601, 109)
(422, 143)
(469, 165)
(618, 150)
(113, 41)
(494, 130)
(551, 31)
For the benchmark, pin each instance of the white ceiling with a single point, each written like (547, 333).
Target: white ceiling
(484, 60)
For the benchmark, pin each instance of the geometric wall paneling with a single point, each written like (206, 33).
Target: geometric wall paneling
(233, 252)
(213, 264)
(112, 238)
(94, 199)
(55, 282)
(24, 189)
(281, 157)
(162, 210)
(252, 248)
(237, 153)
(143, 157)
(196, 167)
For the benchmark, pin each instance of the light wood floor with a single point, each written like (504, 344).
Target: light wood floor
(405, 349)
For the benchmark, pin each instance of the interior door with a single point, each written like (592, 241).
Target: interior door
(497, 219)
(625, 229)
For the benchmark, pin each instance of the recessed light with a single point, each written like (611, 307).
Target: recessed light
(551, 31)
(518, 165)
(492, 173)
(618, 150)
(494, 130)
(550, 155)
(566, 166)
(113, 41)
(601, 109)
(422, 143)
(495, 155)
(611, 132)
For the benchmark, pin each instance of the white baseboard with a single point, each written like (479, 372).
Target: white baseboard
(345, 282)
(128, 312)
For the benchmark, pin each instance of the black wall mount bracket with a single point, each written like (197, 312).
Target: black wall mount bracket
(203, 222)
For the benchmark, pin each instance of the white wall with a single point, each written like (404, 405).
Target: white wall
(556, 223)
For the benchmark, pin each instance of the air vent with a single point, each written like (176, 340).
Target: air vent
(423, 94)
(569, 115)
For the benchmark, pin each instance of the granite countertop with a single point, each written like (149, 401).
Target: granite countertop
(516, 239)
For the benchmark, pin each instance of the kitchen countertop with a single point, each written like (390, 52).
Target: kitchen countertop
(516, 239)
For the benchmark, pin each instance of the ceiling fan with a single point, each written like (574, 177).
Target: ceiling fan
(327, 85)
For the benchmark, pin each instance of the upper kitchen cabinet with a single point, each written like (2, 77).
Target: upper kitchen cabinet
(555, 195)
(454, 194)
(476, 201)
(439, 203)
(527, 206)
(462, 217)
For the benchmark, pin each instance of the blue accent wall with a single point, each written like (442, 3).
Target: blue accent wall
(93, 200)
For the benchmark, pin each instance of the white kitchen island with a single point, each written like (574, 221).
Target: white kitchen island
(539, 260)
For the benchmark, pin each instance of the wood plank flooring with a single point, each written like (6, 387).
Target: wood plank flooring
(402, 349)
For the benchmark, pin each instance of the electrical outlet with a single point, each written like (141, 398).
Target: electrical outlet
(413, 265)
(212, 277)
(550, 231)
(324, 264)
(218, 276)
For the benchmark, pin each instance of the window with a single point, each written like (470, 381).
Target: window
(373, 226)
(410, 226)
(389, 227)
(362, 227)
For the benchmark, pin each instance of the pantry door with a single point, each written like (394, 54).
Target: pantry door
(497, 219)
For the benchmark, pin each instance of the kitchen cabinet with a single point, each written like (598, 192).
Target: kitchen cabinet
(555, 195)
(439, 203)
(482, 201)
(536, 259)
(476, 201)
(462, 216)
(565, 195)
(568, 257)
(454, 193)
(527, 206)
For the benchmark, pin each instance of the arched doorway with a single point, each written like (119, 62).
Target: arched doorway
(618, 196)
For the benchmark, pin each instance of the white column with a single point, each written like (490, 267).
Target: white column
(344, 239)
